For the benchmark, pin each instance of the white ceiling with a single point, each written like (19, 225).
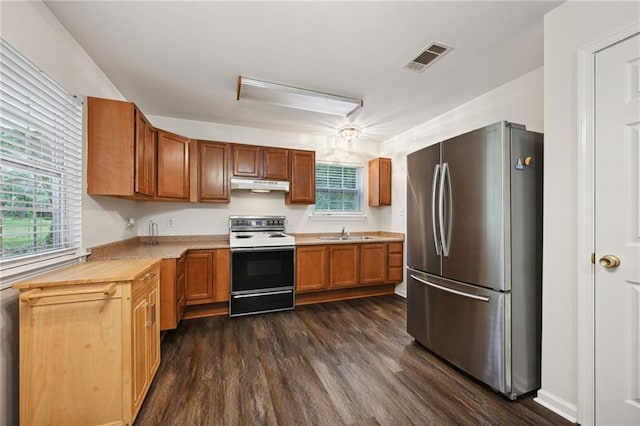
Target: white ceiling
(182, 59)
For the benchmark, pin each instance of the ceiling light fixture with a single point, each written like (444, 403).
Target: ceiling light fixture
(349, 133)
(293, 97)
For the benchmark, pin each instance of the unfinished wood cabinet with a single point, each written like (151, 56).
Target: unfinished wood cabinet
(120, 150)
(302, 170)
(172, 292)
(344, 265)
(373, 263)
(173, 166)
(207, 276)
(213, 171)
(89, 342)
(312, 266)
(395, 266)
(380, 182)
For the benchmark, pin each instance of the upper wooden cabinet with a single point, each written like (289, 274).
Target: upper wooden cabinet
(121, 150)
(213, 171)
(260, 162)
(302, 189)
(380, 182)
(173, 166)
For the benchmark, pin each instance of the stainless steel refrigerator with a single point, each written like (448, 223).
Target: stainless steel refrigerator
(474, 254)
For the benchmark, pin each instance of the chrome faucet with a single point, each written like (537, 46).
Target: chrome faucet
(343, 233)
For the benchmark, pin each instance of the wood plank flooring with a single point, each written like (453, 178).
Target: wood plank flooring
(340, 363)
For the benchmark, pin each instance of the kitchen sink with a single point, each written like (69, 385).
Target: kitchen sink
(346, 238)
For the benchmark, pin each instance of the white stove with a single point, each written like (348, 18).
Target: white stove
(258, 231)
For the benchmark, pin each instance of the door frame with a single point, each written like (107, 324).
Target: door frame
(585, 269)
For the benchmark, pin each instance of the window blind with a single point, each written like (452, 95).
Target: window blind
(40, 164)
(338, 188)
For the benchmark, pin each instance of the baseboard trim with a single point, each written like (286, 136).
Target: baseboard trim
(557, 405)
(401, 292)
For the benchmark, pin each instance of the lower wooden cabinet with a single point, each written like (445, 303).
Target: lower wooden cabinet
(207, 276)
(344, 265)
(312, 266)
(89, 342)
(172, 292)
(395, 263)
(373, 263)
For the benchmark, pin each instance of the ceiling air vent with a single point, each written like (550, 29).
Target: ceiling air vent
(428, 56)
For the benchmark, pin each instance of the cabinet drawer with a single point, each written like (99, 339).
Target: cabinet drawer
(150, 275)
(395, 247)
(395, 259)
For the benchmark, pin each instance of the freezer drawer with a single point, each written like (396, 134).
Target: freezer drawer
(466, 325)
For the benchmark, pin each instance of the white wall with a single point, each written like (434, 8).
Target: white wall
(519, 101)
(205, 218)
(567, 29)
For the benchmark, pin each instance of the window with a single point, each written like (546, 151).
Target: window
(338, 189)
(40, 168)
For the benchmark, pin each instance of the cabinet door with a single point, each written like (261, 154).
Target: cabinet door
(199, 277)
(222, 268)
(276, 163)
(168, 295)
(303, 178)
(380, 182)
(373, 263)
(173, 166)
(213, 172)
(181, 302)
(311, 268)
(153, 329)
(246, 161)
(343, 265)
(145, 156)
(139, 337)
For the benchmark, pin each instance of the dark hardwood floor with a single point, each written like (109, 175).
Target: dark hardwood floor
(349, 362)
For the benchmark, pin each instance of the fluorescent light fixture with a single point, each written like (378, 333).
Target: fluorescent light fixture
(293, 97)
(349, 133)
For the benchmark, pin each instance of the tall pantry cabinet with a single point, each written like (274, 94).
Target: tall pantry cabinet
(89, 342)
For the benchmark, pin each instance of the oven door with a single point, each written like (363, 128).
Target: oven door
(261, 268)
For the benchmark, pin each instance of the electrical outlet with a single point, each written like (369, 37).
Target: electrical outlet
(169, 223)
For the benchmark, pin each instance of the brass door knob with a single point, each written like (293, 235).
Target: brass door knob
(610, 261)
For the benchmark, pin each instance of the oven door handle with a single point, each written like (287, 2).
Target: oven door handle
(268, 293)
(268, 248)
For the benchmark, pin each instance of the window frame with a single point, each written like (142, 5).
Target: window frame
(41, 168)
(342, 214)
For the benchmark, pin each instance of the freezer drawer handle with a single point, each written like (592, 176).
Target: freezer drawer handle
(270, 293)
(449, 290)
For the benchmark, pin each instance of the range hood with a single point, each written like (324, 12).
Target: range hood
(256, 185)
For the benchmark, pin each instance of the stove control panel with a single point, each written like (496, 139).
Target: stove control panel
(256, 223)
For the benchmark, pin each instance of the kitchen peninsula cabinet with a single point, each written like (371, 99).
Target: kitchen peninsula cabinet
(213, 171)
(303, 177)
(207, 276)
(380, 182)
(173, 166)
(89, 342)
(172, 292)
(120, 150)
(312, 266)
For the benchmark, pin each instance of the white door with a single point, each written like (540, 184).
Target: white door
(617, 234)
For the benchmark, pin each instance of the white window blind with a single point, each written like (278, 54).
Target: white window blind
(338, 188)
(40, 167)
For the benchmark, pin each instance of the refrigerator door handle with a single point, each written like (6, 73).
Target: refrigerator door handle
(445, 240)
(450, 290)
(434, 189)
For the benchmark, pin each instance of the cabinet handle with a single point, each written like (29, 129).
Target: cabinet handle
(153, 313)
(37, 293)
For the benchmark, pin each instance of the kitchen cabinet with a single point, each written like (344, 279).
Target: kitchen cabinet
(380, 182)
(344, 265)
(207, 276)
(373, 263)
(312, 265)
(260, 162)
(172, 166)
(213, 171)
(395, 267)
(89, 342)
(172, 292)
(120, 150)
(303, 177)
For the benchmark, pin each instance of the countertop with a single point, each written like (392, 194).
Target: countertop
(90, 273)
(175, 247)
